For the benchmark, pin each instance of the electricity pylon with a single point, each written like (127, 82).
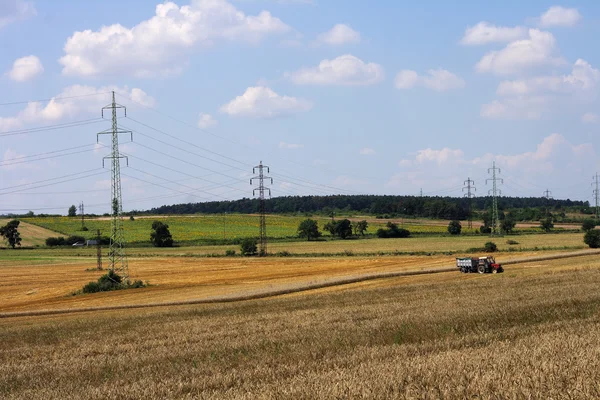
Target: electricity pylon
(470, 184)
(82, 213)
(261, 194)
(548, 197)
(597, 194)
(495, 192)
(98, 251)
(116, 253)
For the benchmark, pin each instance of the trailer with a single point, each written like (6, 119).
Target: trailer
(482, 265)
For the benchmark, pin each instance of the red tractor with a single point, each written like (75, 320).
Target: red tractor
(482, 265)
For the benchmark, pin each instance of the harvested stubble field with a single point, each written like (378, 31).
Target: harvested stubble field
(532, 332)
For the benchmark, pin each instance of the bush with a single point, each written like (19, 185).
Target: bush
(592, 239)
(485, 229)
(284, 253)
(547, 224)
(71, 240)
(85, 229)
(454, 227)
(230, 253)
(56, 241)
(107, 282)
(392, 231)
(511, 242)
(490, 247)
(248, 247)
(588, 225)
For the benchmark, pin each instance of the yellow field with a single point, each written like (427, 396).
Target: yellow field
(31, 235)
(532, 332)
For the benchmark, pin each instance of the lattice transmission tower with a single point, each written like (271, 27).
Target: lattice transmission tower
(495, 192)
(548, 197)
(262, 238)
(469, 185)
(82, 213)
(596, 182)
(116, 254)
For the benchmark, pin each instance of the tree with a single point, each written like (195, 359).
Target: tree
(490, 247)
(330, 227)
(588, 225)
(309, 229)
(454, 227)
(392, 231)
(360, 227)
(161, 236)
(343, 228)
(11, 234)
(248, 247)
(592, 238)
(547, 224)
(72, 211)
(508, 224)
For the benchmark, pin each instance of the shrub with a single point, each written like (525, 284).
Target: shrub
(592, 239)
(85, 229)
(392, 231)
(485, 229)
(588, 225)
(248, 247)
(490, 247)
(547, 224)
(511, 242)
(110, 281)
(71, 240)
(229, 252)
(284, 253)
(454, 227)
(55, 241)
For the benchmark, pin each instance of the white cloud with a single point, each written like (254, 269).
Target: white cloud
(161, 44)
(72, 102)
(206, 121)
(554, 159)
(290, 146)
(346, 70)
(559, 16)
(15, 10)
(25, 68)
(436, 79)
(536, 51)
(531, 98)
(262, 102)
(590, 118)
(367, 151)
(484, 33)
(338, 35)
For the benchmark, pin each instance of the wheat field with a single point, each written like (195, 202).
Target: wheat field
(532, 332)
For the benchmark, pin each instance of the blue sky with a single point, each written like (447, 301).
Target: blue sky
(385, 97)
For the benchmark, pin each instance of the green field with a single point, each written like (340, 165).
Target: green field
(207, 228)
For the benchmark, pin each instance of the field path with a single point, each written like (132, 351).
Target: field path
(291, 288)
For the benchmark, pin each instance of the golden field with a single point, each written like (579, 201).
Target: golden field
(532, 332)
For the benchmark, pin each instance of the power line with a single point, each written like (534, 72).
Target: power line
(4, 163)
(53, 98)
(51, 127)
(50, 179)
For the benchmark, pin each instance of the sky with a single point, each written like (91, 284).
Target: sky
(335, 96)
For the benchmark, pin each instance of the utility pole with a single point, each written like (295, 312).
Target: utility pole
(470, 184)
(82, 212)
(116, 252)
(224, 215)
(495, 192)
(596, 182)
(548, 197)
(98, 250)
(261, 195)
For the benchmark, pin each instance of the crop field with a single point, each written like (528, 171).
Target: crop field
(209, 228)
(531, 332)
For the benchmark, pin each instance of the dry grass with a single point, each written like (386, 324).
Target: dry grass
(31, 235)
(529, 333)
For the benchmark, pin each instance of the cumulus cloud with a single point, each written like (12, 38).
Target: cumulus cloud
(263, 102)
(290, 146)
(531, 98)
(367, 151)
(553, 159)
(436, 79)
(346, 70)
(484, 33)
(206, 121)
(15, 10)
(539, 49)
(72, 102)
(559, 16)
(25, 69)
(338, 35)
(590, 118)
(161, 44)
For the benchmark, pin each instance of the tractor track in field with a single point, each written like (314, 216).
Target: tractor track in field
(289, 290)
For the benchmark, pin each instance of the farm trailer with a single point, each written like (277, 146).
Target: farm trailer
(479, 264)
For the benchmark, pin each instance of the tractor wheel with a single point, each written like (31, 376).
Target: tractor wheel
(494, 271)
(481, 269)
